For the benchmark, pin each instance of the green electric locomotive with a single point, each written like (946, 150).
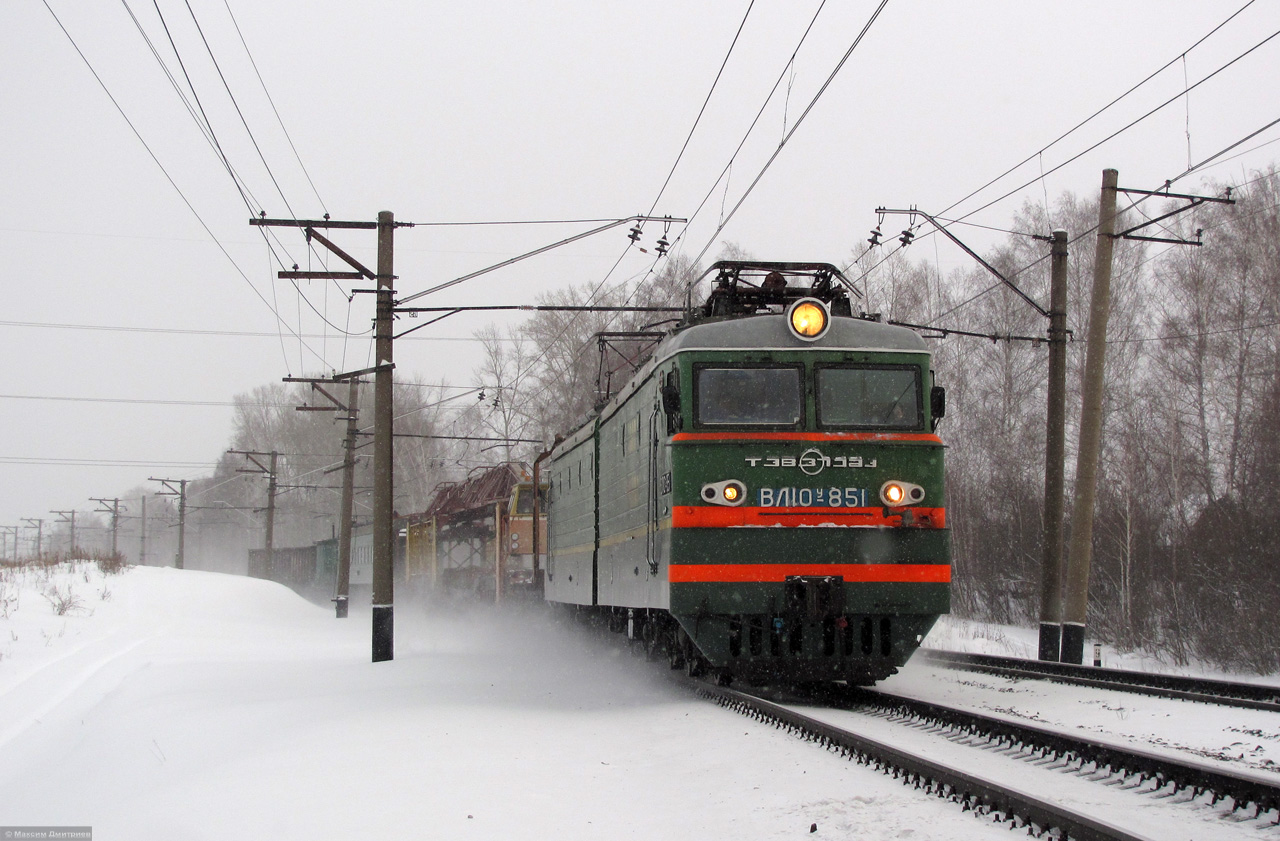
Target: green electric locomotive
(764, 497)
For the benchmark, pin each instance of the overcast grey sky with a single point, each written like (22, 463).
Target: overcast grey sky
(511, 111)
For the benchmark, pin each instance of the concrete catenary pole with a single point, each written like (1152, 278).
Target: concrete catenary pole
(1055, 455)
(271, 513)
(68, 517)
(383, 484)
(182, 524)
(39, 526)
(112, 507)
(348, 501)
(142, 534)
(1079, 555)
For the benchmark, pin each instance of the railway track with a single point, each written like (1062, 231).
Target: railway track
(1249, 797)
(1221, 692)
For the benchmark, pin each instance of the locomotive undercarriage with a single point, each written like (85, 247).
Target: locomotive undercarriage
(786, 648)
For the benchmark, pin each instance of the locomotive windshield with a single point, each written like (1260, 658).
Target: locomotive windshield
(748, 396)
(869, 397)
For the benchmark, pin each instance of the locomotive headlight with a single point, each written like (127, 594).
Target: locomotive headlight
(729, 492)
(808, 319)
(895, 494)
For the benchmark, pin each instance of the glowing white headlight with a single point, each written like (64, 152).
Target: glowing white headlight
(896, 494)
(728, 492)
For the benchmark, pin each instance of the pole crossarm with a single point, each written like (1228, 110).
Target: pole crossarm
(914, 212)
(296, 275)
(338, 405)
(342, 255)
(537, 251)
(462, 438)
(169, 489)
(1192, 202)
(320, 223)
(448, 311)
(252, 456)
(108, 506)
(540, 308)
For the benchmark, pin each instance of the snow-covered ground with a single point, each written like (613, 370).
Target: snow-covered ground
(187, 705)
(190, 705)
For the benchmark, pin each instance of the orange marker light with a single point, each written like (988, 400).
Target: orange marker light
(731, 493)
(894, 494)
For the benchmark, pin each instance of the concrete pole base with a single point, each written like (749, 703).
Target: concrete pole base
(1050, 641)
(1073, 643)
(383, 638)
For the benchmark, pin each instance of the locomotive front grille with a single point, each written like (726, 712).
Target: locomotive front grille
(763, 637)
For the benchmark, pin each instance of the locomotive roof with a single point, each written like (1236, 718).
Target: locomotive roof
(756, 332)
(770, 332)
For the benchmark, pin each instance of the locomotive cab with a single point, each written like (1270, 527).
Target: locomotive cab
(769, 496)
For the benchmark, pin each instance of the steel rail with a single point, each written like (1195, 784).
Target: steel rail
(1222, 692)
(1022, 810)
(1243, 789)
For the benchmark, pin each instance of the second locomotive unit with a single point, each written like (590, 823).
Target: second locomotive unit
(764, 497)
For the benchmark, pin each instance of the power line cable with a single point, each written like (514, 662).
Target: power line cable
(203, 114)
(1101, 110)
(268, 236)
(702, 110)
(599, 286)
(679, 238)
(270, 173)
(800, 121)
(173, 82)
(161, 166)
(764, 105)
(1134, 203)
(1116, 133)
(1099, 143)
(274, 110)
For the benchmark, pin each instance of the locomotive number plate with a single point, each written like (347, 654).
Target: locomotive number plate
(812, 497)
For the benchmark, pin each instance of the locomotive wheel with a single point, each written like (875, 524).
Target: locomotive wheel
(675, 657)
(675, 649)
(694, 665)
(651, 641)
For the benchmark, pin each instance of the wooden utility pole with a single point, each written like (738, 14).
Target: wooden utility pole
(181, 493)
(1076, 598)
(142, 534)
(1055, 455)
(112, 507)
(268, 470)
(383, 531)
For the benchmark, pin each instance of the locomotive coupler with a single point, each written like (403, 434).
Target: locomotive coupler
(813, 598)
